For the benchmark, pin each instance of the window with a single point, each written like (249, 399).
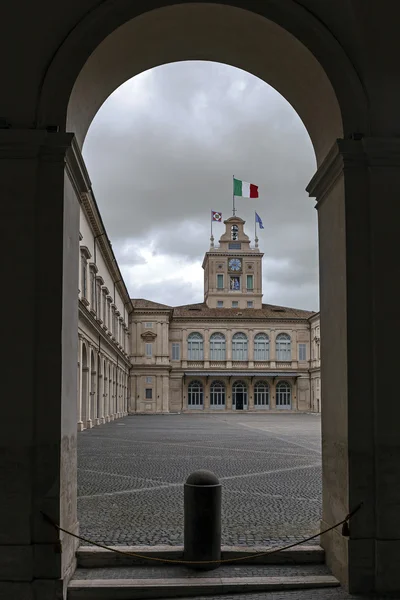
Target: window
(98, 299)
(217, 395)
(283, 347)
(104, 308)
(235, 304)
(92, 290)
(195, 394)
(239, 347)
(239, 395)
(261, 346)
(149, 393)
(249, 282)
(283, 395)
(195, 346)
(149, 350)
(148, 325)
(220, 303)
(176, 351)
(220, 281)
(234, 245)
(261, 395)
(108, 314)
(149, 380)
(249, 303)
(217, 346)
(302, 352)
(84, 277)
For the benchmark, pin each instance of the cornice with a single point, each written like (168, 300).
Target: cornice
(91, 211)
(85, 251)
(148, 335)
(239, 319)
(347, 155)
(32, 143)
(85, 315)
(76, 169)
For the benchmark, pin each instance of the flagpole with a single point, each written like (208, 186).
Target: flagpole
(255, 225)
(233, 196)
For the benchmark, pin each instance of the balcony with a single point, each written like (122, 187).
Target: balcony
(284, 365)
(195, 364)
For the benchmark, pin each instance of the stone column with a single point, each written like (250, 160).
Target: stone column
(206, 334)
(80, 422)
(165, 394)
(100, 392)
(158, 344)
(133, 394)
(184, 348)
(250, 348)
(295, 393)
(206, 399)
(166, 342)
(228, 349)
(105, 393)
(272, 394)
(357, 188)
(228, 395)
(294, 350)
(272, 349)
(250, 400)
(38, 432)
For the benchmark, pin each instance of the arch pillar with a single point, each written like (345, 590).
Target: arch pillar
(358, 215)
(38, 457)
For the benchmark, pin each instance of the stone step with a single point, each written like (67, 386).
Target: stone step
(93, 557)
(134, 589)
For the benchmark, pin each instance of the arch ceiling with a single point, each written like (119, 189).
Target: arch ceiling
(101, 53)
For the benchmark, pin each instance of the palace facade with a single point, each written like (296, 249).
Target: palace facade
(230, 352)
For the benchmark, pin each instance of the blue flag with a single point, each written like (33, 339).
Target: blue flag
(258, 220)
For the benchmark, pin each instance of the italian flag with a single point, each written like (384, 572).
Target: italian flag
(244, 189)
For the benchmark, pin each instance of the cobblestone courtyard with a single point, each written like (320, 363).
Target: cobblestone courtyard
(131, 474)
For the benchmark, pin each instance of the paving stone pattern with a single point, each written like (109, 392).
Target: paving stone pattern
(131, 474)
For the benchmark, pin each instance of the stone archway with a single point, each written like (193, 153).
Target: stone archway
(288, 46)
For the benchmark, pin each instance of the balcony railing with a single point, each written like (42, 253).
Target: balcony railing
(283, 365)
(218, 363)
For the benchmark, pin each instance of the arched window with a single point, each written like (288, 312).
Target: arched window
(283, 395)
(195, 346)
(217, 346)
(239, 395)
(217, 394)
(239, 346)
(283, 347)
(261, 347)
(195, 394)
(261, 394)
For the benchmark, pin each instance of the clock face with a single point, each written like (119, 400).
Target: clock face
(235, 264)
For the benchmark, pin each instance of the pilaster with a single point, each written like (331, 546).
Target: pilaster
(358, 212)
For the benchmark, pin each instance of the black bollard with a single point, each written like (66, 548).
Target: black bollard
(202, 520)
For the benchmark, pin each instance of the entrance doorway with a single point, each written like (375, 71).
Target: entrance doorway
(239, 395)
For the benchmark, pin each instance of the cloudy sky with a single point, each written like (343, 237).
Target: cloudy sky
(161, 153)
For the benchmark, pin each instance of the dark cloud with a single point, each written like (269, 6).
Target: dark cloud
(161, 154)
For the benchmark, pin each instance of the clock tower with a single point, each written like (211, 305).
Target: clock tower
(233, 270)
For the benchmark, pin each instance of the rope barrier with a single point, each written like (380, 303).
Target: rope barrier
(345, 532)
